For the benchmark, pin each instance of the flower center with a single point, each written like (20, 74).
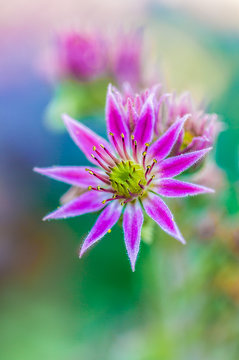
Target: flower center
(187, 139)
(128, 178)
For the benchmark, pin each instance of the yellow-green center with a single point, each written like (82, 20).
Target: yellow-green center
(187, 139)
(127, 177)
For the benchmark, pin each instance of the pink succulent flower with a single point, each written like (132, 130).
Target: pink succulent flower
(130, 173)
(127, 59)
(200, 129)
(82, 56)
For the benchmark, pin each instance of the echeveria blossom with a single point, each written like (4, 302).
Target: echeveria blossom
(200, 129)
(81, 56)
(129, 175)
(126, 59)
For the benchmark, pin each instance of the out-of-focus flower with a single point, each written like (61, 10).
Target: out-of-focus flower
(81, 56)
(131, 175)
(82, 64)
(126, 59)
(200, 129)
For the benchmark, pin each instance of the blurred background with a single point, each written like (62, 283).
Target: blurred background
(183, 301)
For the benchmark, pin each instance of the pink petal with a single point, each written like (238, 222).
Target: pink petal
(160, 213)
(73, 175)
(175, 165)
(84, 138)
(144, 129)
(163, 146)
(132, 224)
(88, 202)
(115, 118)
(107, 219)
(198, 143)
(176, 188)
(132, 116)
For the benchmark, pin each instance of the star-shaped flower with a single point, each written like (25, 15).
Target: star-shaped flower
(133, 172)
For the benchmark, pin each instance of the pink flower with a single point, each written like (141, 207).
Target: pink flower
(127, 59)
(82, 56)
(200, 129)
(130, 173)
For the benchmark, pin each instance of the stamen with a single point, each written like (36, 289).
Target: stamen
(145, 153)
(107, 161)
(135, 151)
(124, 147)
(116, 145)
(115, 197)
(106, 190)
(151, 167)
(100, 163)
(147, 171)
(109, 154)
(142, 186)
(144, 156)
(152, 177)
(100, 177)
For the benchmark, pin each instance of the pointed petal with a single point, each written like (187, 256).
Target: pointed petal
(132, 224)
(198, 143)
(84, 138)
(163, 146)
(88, 202)
(107, 219)
(144, 129)
(175, 165)
(160, 213)
(176, 188)
(115, 118)
(73, 175)
(132, 116)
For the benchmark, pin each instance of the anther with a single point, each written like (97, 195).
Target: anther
(107, 161)
(147, 171)
(151, 167)
(100, 177)
(152, 177)
(144, 156)
(115, 197)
